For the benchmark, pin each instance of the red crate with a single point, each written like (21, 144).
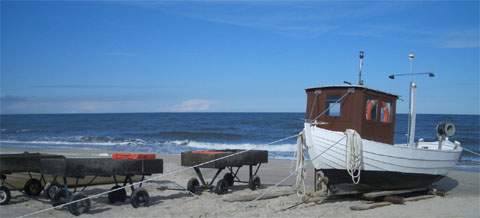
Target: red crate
(132, 156)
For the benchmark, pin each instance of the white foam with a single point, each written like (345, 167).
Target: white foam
(178, 142)
(275, 147)
(65, 143)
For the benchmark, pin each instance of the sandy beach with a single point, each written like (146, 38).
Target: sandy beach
(168, 199)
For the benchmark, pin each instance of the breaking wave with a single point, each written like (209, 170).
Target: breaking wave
(276, 147)
(185, 144)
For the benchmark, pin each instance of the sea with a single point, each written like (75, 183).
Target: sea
(173, 133)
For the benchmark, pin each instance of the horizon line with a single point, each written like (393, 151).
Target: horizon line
(194, 112)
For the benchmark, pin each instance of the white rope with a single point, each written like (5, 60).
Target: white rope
(353, 155)
(294, 172)
(150, 179)
(300, 165)
(473, 152)
(274, 186)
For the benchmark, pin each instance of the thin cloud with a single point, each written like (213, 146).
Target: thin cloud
(195, 105)
(41, 105)
(460, 39)
(303, 20)
(316, 19)
(100, 86)
(11, 99)
(123, 54)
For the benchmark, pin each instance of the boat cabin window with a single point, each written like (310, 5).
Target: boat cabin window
(332, 105)
(371, 109)
(385, 112)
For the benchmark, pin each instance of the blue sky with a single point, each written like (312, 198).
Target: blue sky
(97, 57)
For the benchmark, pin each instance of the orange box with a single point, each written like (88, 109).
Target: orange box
(132, 156)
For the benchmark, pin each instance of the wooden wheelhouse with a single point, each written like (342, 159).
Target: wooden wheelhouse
(369, 112)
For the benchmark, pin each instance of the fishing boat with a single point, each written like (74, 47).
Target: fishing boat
(349, 136)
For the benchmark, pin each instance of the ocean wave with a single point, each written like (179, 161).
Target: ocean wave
(177, 142)
(200, 135)
(48, 142)
(210, 145)
(14, 131)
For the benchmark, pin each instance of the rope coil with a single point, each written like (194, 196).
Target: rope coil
(353, 155)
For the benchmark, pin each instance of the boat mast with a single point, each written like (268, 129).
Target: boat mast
(412, 109)
(362, 56)
(412, 115)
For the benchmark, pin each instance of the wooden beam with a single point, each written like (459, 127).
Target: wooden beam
(373, 195)
(389, 200)
(417, 198)
(370, 206)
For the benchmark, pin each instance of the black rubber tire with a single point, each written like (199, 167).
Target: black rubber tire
(193, 186)
(61, 197)
(118, 195)
(255, 183)
(140, 198)
(221, 187)
(229, 178)
(79, 207)
(52, 189)
(33, 187)
(4, 195)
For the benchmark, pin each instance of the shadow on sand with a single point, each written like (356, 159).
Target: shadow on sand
(445, 184)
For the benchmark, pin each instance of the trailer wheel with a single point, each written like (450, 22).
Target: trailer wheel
(140, 198)
(229, 178)
(4, 195)
(119, 195)
(255, 183)
(221, 187)
(193, 186)
(61, 197)
(51, 189)
(33, 187)
(80, 207)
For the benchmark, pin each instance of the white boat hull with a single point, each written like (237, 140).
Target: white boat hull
(383, 165)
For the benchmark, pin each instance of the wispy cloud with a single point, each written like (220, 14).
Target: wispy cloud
(195, 105)
(300, 19)
(25, 105)
(117, 53)
(316, 19)
(460, 39)
(7, 99)
(99, 86)
(12, 104)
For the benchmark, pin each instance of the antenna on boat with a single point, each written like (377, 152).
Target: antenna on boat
(362, 56)
(412, 114)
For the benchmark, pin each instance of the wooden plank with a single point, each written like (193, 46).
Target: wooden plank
(370, 206)
(373, 195)
(389, 200)
(417, 198)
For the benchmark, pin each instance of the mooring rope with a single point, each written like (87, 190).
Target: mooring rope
(151, 179)
(294, 172)
(300, 165)
(473, 152)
